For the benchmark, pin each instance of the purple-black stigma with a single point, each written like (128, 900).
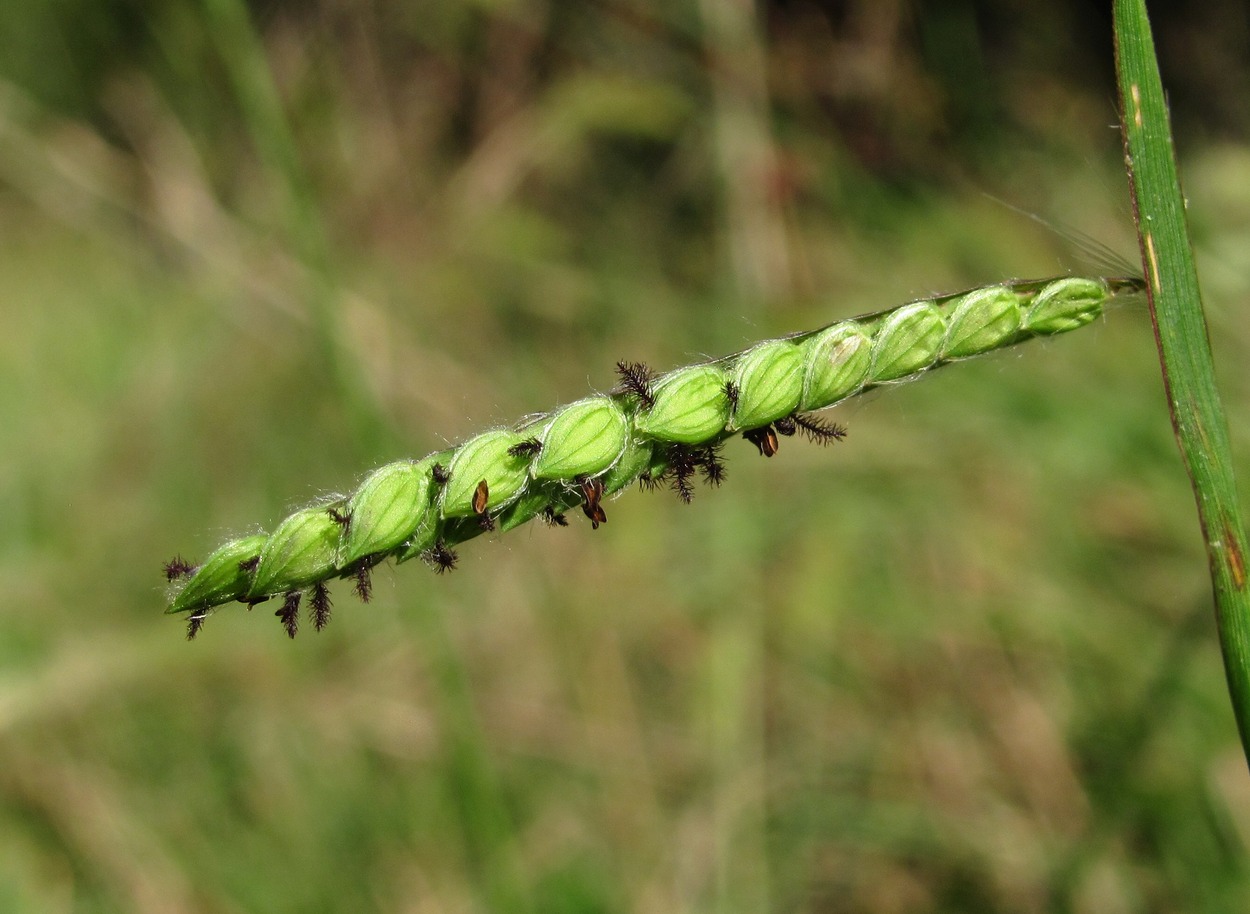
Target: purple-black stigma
(681, 468)
(195, 622)
(249, 565)
(683, 461)
(364, 581)
(343, 520)
(731, 395)
(786, 426)
(527, 448)
(178, 567)
(289, 613)
(636, 380)
(711, 465)
(681, 484)
(553, 518)
(440, 557)
(439, 474)
(818, 430)
(319, 605)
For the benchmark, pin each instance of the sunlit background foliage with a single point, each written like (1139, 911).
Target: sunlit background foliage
(963, 662)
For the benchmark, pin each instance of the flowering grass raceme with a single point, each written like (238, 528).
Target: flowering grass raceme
(655, 430)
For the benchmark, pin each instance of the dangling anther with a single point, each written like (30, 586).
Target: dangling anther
(481, 498)
(763, 438)
(592, 491)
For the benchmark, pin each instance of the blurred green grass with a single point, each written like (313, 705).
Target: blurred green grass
(963, 662)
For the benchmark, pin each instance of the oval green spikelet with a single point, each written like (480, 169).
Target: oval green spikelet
(980, 321)
(485, 457)
(769, 378)
(907, 341)
(690, 406)
(837, 365)
(1066, 304)
(634, 460)
(430, 528)
(386, 510)
(224, 576)
(300, 552)
(584, 439)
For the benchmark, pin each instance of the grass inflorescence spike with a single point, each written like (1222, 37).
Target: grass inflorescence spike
(659, 430)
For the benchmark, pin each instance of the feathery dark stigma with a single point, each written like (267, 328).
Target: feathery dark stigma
(682, 463)
(636, 379)
(527, 448)
(439, 474)
(786, 426)
(319, 605)
(648, 482)
(681, 484)
(364, 582)
(289, 613)
(178, 567)
(818, 430)
(343, 520)
(731, 394)
(195, 622)
(440, 557)
(554, 518)
(711, 465)
(249, 565)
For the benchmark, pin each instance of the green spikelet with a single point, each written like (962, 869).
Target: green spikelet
(655, 430)
(691, 406)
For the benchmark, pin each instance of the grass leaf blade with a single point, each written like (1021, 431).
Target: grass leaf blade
(1181, 332)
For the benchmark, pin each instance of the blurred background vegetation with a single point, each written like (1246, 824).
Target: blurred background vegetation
(963, 662)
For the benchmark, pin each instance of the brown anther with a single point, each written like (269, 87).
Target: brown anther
(592, 491)
(481, 497)
(763, 438)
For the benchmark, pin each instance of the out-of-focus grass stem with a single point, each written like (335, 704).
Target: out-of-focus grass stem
(246, 64)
